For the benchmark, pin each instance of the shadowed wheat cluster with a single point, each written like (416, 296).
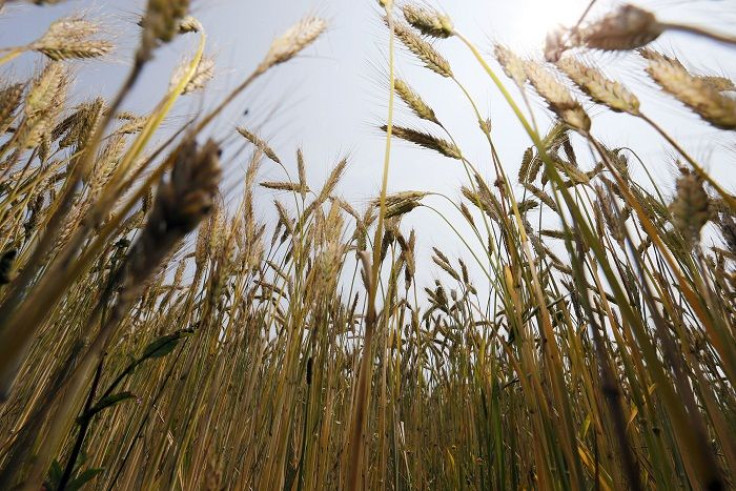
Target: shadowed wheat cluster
(303, 354)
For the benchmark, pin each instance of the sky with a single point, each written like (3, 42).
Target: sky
(332, 99)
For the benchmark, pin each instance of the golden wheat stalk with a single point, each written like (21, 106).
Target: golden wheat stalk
(180, 205)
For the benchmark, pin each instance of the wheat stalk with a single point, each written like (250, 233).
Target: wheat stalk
(180, 204)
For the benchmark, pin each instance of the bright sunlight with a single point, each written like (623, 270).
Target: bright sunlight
(538, 17)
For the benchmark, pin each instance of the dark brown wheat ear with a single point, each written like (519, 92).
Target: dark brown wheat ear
(180, 205)
(626, 28)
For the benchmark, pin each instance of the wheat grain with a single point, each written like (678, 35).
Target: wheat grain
(698, 94)
(10, 99)
(401, 208)
(428, 21)
(160, 23)
(525, 168)
(204, 72)
(422, 50)
(601, 89)
(721, 84)
(425, 140)
(43, 104)
(132, 124)
(727, 225)
(260, 143)
(394, 199)
(293, 41)
(72, 38)
(189, 24)
(301, 169)
(79, 127)
(628, 27)
(542, 196)
(512, 65)
(331, 182)
(691, 208)
(414, 101)
(558, 97)
(282, 186)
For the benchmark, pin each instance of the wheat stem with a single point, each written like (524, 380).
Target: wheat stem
(728, 197)
(356, 464)
(701, 31)
(12, 54)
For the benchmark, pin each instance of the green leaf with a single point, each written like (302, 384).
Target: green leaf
(54, 477)
(163, 345)
(83, 479)
(107, 402)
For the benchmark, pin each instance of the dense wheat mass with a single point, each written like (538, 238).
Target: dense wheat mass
(157, 334)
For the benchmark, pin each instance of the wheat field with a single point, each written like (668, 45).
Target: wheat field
(155, 336)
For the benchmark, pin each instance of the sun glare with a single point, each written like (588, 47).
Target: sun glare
(538, 17)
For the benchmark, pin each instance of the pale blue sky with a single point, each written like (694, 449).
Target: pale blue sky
(331, 100)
